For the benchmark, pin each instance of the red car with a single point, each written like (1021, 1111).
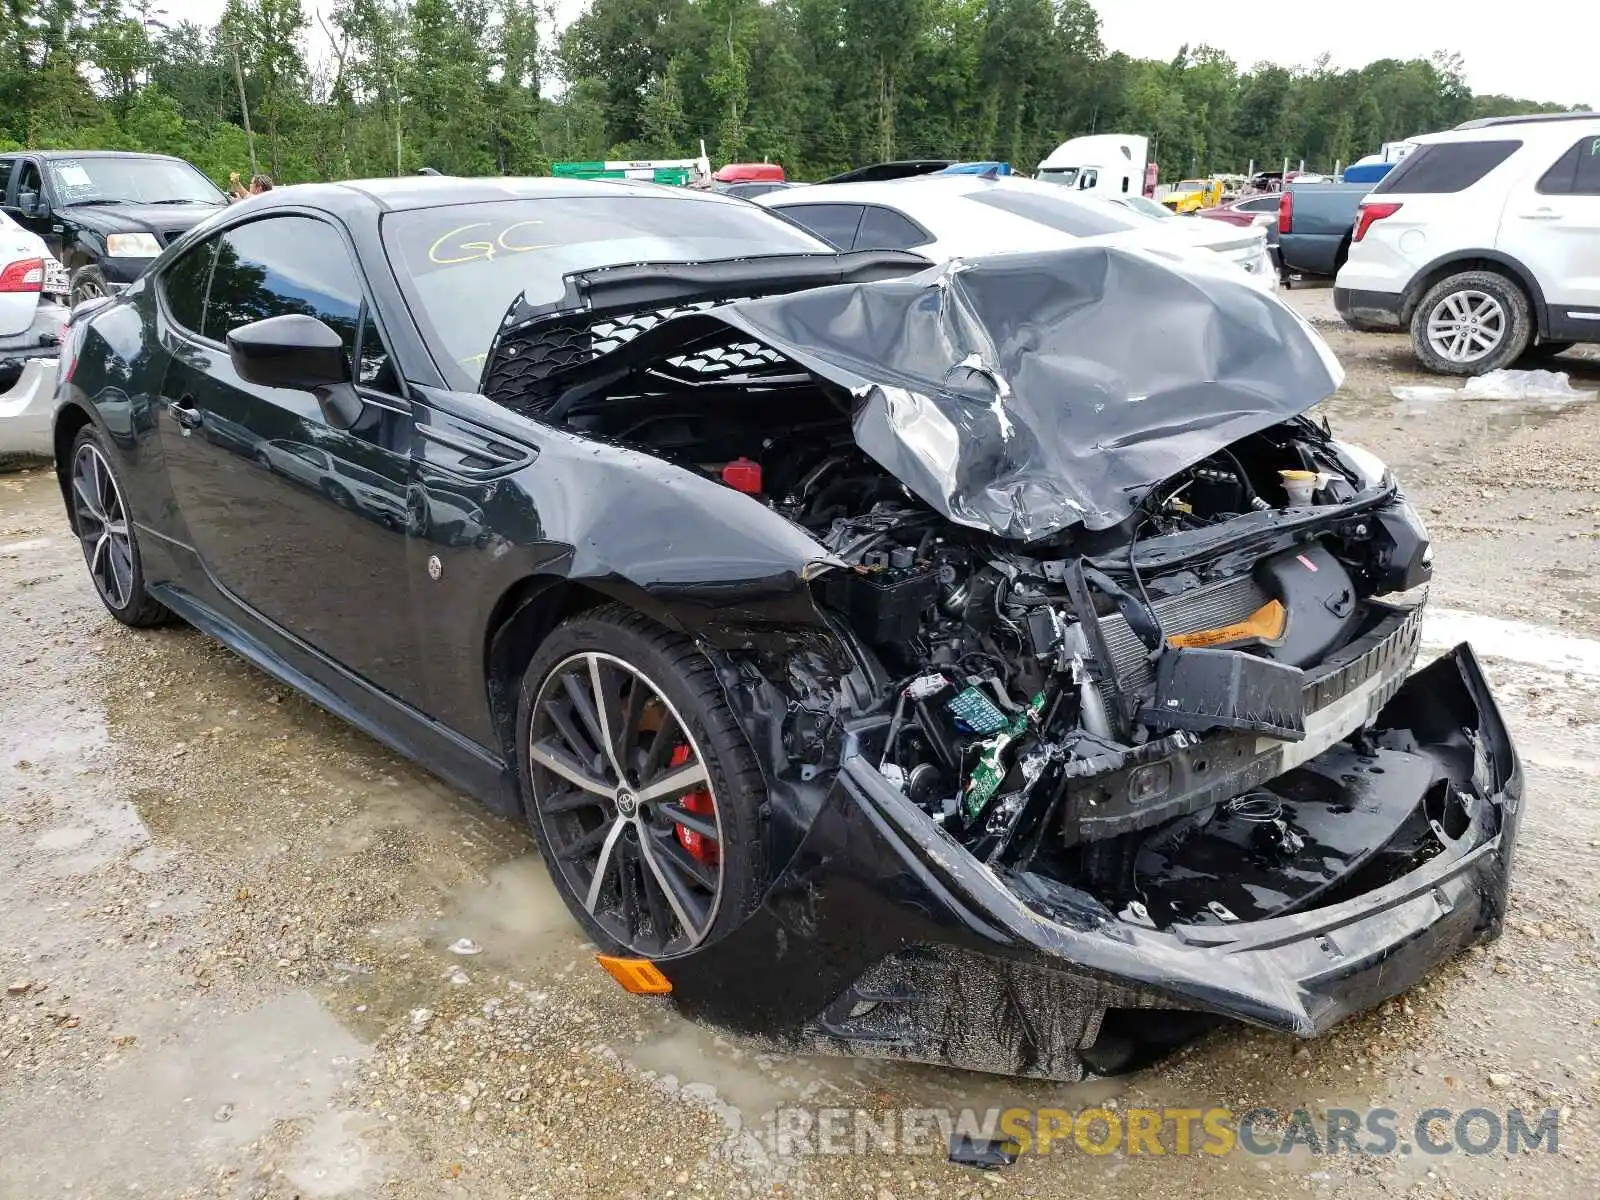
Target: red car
(1244, 212)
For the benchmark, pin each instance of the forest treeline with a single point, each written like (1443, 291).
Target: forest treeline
(487, 86)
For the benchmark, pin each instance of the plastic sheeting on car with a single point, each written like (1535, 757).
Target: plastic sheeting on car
(1023, 394)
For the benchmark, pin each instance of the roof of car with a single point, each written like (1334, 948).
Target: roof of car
(1543, 126)
(76, 154)
(898, 191)
(1526, 118)
(434, 191)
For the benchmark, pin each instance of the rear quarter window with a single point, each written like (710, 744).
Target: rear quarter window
(1576, 173)
(1442, 167)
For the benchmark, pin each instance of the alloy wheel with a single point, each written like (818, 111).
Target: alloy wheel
(626, 805)
(102, 526)
(1465, 326)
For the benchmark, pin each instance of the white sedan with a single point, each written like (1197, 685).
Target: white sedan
(30, 330)
(950, 216)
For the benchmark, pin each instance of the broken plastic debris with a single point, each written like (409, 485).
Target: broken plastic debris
(1502, 385)
(986, 1154)
(465, 946)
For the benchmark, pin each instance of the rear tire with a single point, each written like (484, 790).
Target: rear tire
(619, 855)
(1471, 324)
(106, 532)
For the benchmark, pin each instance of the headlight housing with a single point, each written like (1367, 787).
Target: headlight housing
(132, 245)
(1368, 466)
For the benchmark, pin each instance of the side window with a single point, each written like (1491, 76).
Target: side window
(833, 223)
(7, 165)
(1575, 172)
(183, 285)
(885, 229)
(28, 178)
(1442, 167)
(281, 265)
(294, 264)
(1587, 182)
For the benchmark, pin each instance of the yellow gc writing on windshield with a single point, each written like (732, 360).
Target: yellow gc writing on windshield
(472, 251)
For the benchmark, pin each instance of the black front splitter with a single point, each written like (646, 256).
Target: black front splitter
(884, 938)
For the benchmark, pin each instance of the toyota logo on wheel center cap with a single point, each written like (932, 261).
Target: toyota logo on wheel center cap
(627, 803)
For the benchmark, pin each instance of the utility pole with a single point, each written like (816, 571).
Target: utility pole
(398, 169)
(244, 106)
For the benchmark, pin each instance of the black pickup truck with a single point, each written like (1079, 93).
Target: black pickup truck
(105, 214)
(1315, 221)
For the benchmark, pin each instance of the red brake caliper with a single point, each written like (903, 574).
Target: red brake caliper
(699, 846)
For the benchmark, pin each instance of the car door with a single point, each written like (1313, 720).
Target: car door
(263, 483)
(1552, 226)
(28, 203)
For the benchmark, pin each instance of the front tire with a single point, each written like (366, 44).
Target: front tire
(105, 529)
(640, 787)
(88, 283)
(1471, 324)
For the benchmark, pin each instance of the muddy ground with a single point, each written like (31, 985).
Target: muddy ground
(226, 921)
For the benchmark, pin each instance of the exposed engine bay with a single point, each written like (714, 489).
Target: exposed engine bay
(1013, 675)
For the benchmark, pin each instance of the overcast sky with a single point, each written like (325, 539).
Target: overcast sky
(1540, 49)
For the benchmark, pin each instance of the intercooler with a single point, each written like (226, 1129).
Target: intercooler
(1209, 606)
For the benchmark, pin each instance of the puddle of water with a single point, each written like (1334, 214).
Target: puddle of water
(1514, 641)
(196, 1098)
(517, 918)
(26, 545)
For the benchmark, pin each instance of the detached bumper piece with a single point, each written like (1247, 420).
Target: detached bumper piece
(1322, 893)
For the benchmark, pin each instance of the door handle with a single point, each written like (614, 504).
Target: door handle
(184, 412)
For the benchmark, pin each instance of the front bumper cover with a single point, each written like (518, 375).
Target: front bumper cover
(884, 938)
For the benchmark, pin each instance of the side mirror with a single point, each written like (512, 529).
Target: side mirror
(29, 205)
(295, 351)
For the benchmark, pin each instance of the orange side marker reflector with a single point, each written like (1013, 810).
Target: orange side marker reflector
(1266, 623)
(637, 975)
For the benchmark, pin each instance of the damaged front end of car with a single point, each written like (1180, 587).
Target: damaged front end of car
(1105, 707)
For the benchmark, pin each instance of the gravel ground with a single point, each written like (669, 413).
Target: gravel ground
(231, 931)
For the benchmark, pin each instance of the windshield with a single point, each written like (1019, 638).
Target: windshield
(135, 180)
(1147, 206)
(461, 266)
(1065, 176)
(1079, 217)
(1188, 185)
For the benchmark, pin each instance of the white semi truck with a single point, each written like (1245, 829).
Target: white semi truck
(1108, 164)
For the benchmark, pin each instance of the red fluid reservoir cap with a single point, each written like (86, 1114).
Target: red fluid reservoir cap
(743, 475)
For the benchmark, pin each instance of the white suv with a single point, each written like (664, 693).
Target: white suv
(1484, 242)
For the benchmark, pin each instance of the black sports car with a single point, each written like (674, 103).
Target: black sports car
(968, 664)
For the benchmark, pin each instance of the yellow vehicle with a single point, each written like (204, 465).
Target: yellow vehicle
(1191, 195)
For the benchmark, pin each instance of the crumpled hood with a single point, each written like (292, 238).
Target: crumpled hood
(1026, 393)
